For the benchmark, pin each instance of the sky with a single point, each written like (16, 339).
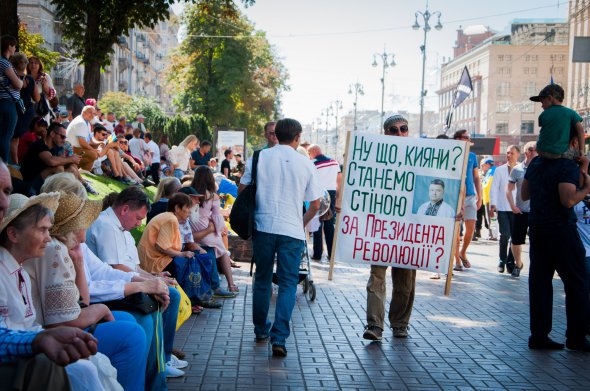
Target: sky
(328, 45)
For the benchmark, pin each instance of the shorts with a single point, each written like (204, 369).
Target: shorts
(520, 227)
(470, 208)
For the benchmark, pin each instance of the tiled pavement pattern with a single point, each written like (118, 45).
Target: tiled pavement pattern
(474, 339)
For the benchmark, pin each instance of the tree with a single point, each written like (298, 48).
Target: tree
(94, 26)
(32, 45)
(234, 81)
(116, 102)
(130, 106)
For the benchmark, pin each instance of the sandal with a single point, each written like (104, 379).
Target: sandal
(196, 309)
(233, 288)
(435, 276)
(465, 262)
(235, 265)
(458, 268)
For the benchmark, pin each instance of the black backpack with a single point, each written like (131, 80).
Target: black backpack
(241, 217)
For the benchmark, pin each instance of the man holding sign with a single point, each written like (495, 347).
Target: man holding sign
(404, 280)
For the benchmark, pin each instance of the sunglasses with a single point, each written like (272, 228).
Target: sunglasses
(123, 142)
(103, 134)
(396, 130)
(464, 138)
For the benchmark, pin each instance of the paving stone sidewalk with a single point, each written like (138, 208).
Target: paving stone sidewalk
(475, 339)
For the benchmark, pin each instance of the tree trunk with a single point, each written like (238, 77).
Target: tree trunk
(91, 58)
(9, 18)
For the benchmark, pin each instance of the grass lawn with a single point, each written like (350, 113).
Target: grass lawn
(106, 185)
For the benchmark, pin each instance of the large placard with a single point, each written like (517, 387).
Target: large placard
(399, 199)
(234, 139)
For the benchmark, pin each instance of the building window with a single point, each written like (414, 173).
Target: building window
(508, 57)
(527, 127)
(525, 71)
(530, 88)
(559, 71)
(502, 127)
(560, 57)
(503, 89)
(528, 107)
(502, 106)
(500, 57)
(533, 71)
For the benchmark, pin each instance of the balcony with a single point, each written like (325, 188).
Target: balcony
(140, 38)
(122, 41)
(123, 63)
(123, 85)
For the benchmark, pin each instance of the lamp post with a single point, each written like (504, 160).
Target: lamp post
(426, 15)
(358, 90)
(328, 112)
(337, 105)
(384, 59)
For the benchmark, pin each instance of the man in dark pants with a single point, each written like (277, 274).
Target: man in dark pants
(555, 245)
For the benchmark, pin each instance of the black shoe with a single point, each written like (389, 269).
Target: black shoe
(516, 271)
(373, 333)
(501, 266)
(544, 344)
(210, 304)
(581, 345)
(279, 351)
(510, 267)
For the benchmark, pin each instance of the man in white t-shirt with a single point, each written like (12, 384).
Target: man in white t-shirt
(79, 135)
(329, 176)
(137, 146)
(284, 180)
(110, 122)
(154, 151)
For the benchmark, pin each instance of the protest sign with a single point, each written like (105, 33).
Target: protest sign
(234, 139)
(399, 198)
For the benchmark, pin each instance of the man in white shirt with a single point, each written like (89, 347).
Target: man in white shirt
(110, 122)
(137, 146)
(284, 180)
(499, 203)
(110, 240)
(79, 136)
(329, 176)
(138, 123)
(436, 206)
(154, 151)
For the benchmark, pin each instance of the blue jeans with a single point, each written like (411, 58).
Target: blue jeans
(214, 273)
(8, 118)
(170, 316)
(124, 343)
(288, 252)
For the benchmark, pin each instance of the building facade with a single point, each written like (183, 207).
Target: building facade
(136, 64)
(578, 86)
(506, 69)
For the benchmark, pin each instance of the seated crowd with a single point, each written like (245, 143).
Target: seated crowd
(81, 301)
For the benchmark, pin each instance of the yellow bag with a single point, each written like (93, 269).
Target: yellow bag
(184, 309)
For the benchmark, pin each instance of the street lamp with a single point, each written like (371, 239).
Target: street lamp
(358, 89)
(384, 59)
(328, 112)
(337, 105)
(426, 15)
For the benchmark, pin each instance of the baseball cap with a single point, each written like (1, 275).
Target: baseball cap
(189, 190)
(63, 114)
(140, 116)
(553, 90)
(489, 161)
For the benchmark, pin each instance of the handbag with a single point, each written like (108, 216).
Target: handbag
(42, 107)
(194, 275)
(241, 217)
(20, 105)
(139, 301)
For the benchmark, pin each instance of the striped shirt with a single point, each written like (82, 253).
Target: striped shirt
(328, 170)
(5, 83)
(15, 344)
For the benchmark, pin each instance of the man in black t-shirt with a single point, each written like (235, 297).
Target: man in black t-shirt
(39, 162)
(225, 165)
(555, 245)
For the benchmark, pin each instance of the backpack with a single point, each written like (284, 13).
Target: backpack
(241, 217)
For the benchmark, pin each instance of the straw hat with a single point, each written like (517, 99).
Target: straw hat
(74, 213)
(19, 203)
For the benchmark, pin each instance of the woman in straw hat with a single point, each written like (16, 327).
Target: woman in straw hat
(58, 280)
(24, 234)
(104, 283)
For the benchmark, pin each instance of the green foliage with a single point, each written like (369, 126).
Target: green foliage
(32, 45)
(93, 27)
(117, 102)
(232, 82)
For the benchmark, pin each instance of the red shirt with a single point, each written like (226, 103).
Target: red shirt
(25, 142)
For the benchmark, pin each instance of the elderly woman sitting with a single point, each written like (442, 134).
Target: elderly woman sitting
(24, 235)
(103, 283)
(59, 281)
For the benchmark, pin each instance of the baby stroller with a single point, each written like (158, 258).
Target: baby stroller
(305, 275)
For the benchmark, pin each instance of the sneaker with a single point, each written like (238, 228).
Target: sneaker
(210, 304)
(147, 183)
(501, 267)
(89, 188)
(220, 293)
(373, 333)
(400, 332)
(127, 181)
(279, 351)
(173, 372)
(262, 338)
(177, 363)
